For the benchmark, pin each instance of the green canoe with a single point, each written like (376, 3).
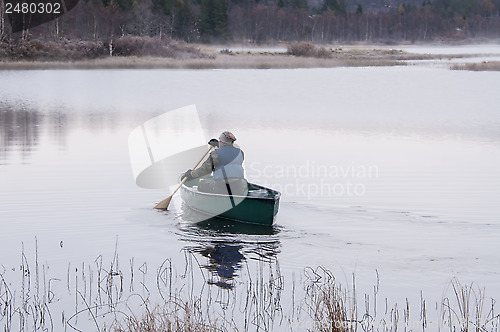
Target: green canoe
(260, 206)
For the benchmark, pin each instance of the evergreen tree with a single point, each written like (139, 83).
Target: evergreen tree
(179, 14)
(467, 8)
(124, 5)
(299, 4)
(213, 19)
(164, 5)
(342, 8)
(331, 4)
(184, 20)
(338, 7)
(359, 9)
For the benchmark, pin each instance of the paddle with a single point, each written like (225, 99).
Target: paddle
(163, 205)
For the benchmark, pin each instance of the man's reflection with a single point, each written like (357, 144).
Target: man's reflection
(227, 245)
(224, 260)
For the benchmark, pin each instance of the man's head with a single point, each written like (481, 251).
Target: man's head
(226, 138)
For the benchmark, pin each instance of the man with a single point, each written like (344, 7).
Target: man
(226, 163)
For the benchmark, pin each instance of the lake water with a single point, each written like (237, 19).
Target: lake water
(388, 174)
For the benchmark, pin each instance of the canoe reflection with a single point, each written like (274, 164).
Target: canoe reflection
(226, 246)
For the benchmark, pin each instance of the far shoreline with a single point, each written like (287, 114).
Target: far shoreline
(259, 57)
(220, 62)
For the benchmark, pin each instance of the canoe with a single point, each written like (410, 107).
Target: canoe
(260, 206)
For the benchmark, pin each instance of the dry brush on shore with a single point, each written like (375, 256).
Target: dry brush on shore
(74, 50)
(146, 52)
(482, 66)
(153, 53)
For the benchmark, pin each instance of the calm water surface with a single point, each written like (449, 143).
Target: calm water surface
(384, 171)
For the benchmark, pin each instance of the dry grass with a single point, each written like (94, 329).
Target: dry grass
(483, 66)
(465, 309)
(308, 50)
(327, 302)
(159, 319)
(223, 61)
(154, 47)
(64, 50)
(29, 50)
(150, 53)
(108, 298)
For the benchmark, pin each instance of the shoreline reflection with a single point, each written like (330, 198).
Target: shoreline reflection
(21, 130)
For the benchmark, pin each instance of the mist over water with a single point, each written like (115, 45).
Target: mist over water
(394, 170)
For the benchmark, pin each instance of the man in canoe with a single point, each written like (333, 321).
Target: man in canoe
(226, 163)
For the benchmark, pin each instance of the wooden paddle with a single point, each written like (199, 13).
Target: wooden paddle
(163, 205)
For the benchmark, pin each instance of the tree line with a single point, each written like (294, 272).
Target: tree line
(264, 21)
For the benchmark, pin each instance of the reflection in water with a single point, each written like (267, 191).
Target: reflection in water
(223, 262)
(19, 129)
(22, 128)
(217, 226)
(227, 245)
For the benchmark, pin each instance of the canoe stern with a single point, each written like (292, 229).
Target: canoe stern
(260, 206)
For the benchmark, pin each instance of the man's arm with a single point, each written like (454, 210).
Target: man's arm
(207, 166)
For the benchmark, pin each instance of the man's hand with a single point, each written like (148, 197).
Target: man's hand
(187, 175)
(214, 142)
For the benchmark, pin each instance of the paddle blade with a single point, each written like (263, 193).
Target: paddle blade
(163, 205)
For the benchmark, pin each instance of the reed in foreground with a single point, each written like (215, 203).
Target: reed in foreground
(249, 294)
